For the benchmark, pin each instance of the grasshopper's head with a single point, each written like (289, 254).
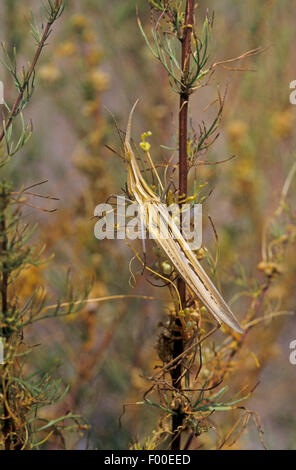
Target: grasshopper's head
(130, 159)
(127, 146)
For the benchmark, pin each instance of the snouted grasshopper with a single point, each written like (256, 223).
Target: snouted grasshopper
(155, 217)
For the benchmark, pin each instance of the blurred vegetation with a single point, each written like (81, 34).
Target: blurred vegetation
(97, 58)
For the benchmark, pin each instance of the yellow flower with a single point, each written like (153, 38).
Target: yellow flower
(144, 144)
(66, 49)
(95, 57)
(237, 130)
(79, 22)
(99, 80)
(269, 268)
(30, 280)
(49, 73)
(88, 36)
(282, 124)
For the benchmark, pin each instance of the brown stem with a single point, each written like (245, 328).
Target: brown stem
(178, 346)
(4, 305)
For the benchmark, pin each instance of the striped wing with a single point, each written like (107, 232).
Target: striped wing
(180, 254)
(172, 242)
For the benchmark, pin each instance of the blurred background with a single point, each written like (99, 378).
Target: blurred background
(97, 60)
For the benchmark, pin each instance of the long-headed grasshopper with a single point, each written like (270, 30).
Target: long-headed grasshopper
(154, 215)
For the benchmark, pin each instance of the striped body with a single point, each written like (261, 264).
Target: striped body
(154, 215)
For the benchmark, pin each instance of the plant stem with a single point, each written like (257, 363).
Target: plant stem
(178, 346)
(14, 111)
(4, 305)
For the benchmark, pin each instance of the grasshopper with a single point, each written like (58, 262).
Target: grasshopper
(166, 233)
